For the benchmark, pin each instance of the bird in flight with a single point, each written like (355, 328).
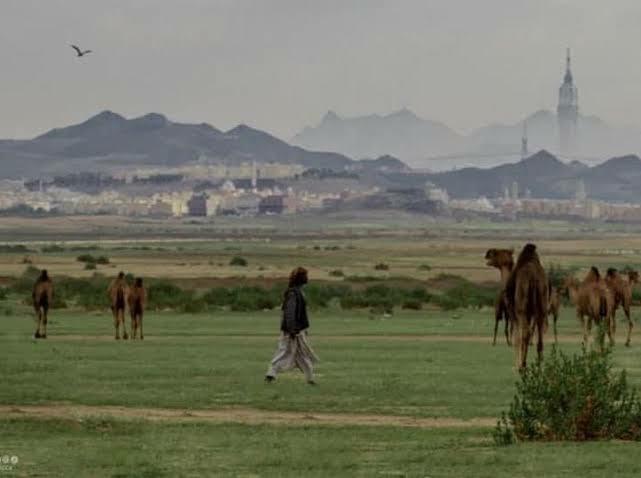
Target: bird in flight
(80, 52)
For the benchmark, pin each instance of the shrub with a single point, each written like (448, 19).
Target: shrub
(557, 274)
(467, 294)
(572, 398)
(337, 273)
(412, 305)
(194, 306)
(85, 258)
(102, 260)
(14, 249)
(381, 267)
(238, 261)
(90, 266)
(424, 267)
(3, 293)
(52, 248)
(27, 260)
(167, 295)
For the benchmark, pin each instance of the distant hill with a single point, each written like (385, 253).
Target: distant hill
(109, 140)
(618, 179)
(401, 134)
(433, 145)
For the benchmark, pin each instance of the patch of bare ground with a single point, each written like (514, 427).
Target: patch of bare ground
(385, 338)
(236, 415)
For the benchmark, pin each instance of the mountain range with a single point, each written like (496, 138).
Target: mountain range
(108, 140)
(544, 175)
(433, 145)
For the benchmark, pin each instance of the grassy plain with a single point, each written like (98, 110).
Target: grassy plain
(82, 404)
(415, 365)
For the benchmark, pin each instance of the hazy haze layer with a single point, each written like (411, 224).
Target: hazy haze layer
(279, 65)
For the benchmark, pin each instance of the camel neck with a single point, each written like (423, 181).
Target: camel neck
(505, 273)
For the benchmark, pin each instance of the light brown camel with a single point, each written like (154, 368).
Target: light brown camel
(554, 304)
(594, 303)
(42, 297)
(137, 302)
(527, 298)
(622, 291)
(503, 260)
(118, 292)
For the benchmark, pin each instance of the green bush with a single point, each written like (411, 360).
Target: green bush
(166, 295)
(14, 249)
(424, 267)
(412, 305)
(3, 293)
(573, 398)
(52, 248)
(102, 260)
(90, 266)
(381, 267)
(466, 294)
(337, 273)
(89, 259)
(557, 274)
(238, 261)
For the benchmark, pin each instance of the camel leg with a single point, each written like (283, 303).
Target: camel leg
(587, 332)
(45, 314)
(116, 325)
(584, 321)
(36, 335)
(556, 337)
(125, 336)
(526, 336)
(508, 331)
(626, 308)
(140, 322)
(496, 328)
(539, 344)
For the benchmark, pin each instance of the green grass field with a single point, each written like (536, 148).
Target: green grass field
(412, 365)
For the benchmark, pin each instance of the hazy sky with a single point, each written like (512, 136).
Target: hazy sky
(281, 64)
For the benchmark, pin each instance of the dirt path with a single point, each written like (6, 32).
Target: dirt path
(236, 415)
(320, 338)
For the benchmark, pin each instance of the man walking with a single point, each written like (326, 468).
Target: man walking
(293, 349)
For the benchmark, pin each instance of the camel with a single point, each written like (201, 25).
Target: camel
(554, 304)
(118, 292)
(501, 259)
(137, 301)
(622, 291)
(527, 298)
(42, 297)
(594, 303)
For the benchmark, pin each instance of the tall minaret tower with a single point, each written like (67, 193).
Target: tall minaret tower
(524, 150)
(568, 111)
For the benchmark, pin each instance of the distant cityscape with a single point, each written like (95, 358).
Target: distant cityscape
(152, 167)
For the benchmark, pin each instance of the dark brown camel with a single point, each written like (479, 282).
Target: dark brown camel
(527, 297)
(118, 292)
(42, 297)
(622, 292)
(503, 260)
(137, 303)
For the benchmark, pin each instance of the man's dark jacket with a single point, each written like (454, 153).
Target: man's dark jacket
(294, 312)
